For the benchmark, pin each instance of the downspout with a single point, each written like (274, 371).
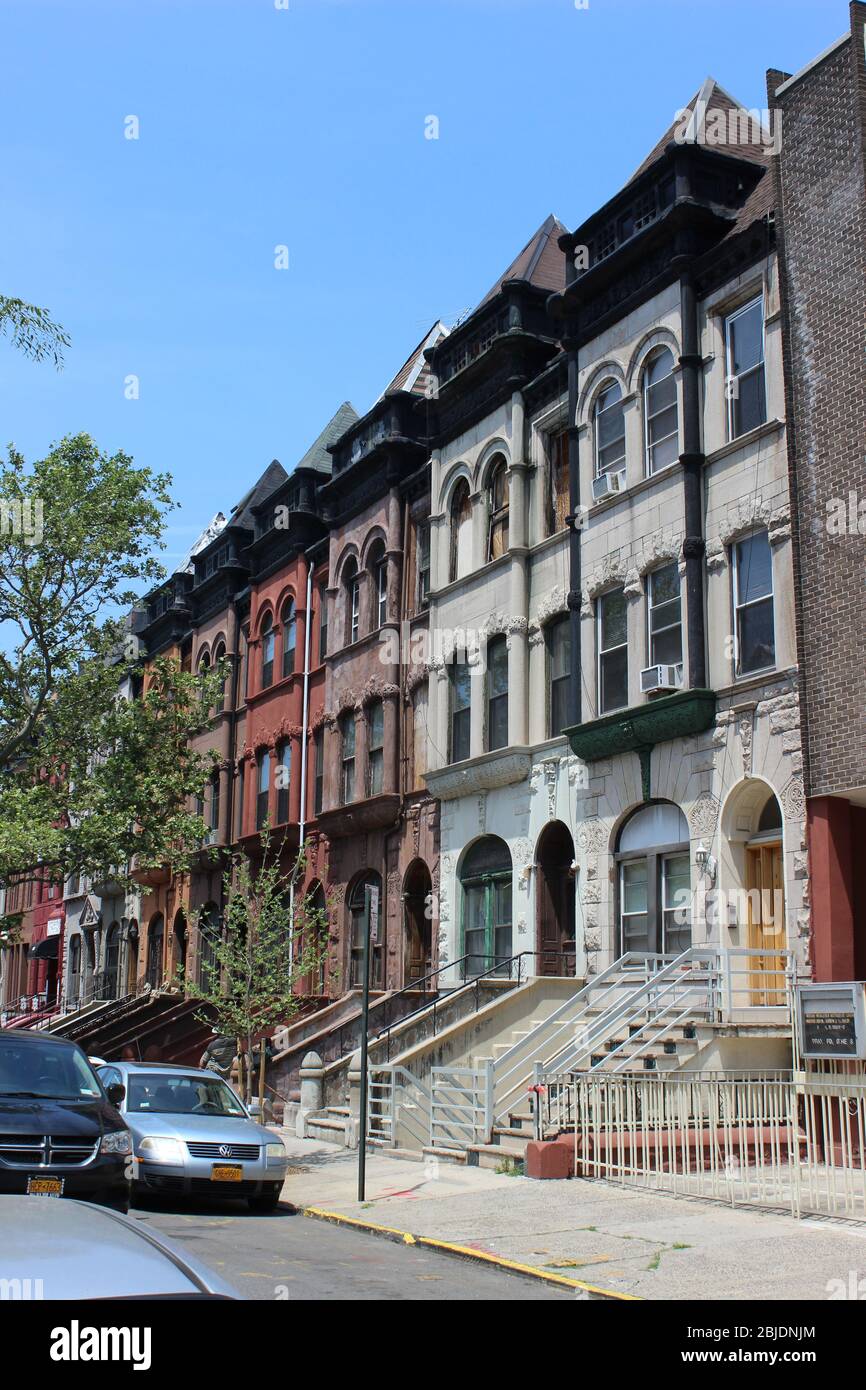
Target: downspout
(304, 721)
(692, 459)
(574, 520)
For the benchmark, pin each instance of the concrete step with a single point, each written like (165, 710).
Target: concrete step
(445, 1155)
(492, 1156)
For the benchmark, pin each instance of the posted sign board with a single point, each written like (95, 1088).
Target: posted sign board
(832, 1020)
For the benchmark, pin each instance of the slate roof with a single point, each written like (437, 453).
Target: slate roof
(541, 261)
(317, 456)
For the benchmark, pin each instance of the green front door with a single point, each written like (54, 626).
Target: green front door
(487, 923)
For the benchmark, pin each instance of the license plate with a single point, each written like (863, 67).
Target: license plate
(45, 1187)
(226, 1172)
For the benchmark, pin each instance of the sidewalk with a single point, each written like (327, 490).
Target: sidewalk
(618, 1238)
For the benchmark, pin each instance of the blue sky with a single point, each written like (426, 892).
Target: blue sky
(263, 126)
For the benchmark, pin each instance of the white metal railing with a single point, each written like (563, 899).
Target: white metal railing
(398, 1108)
(458, 1106)
(777, 1139)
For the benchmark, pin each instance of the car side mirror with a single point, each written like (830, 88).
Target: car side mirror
(116, 1093)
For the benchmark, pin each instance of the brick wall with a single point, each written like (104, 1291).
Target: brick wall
(822, 213)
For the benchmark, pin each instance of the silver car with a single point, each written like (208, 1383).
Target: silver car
(75, 1250)
(193, 1136)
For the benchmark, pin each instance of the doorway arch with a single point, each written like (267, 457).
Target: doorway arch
(555, 901)
(417, 922)
(753, 879)
(486, 882)
(654, 900)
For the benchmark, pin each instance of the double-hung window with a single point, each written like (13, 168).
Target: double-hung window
(284, 777)
(612, 621)
(559, 668)
(375, 747)
(665, 616)
(264, 788)
(497, 693)
(754, 630)
(347, 733)
(744, 356)
(461, 683)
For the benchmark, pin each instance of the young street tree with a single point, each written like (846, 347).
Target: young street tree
(258, 953)
(87, 779)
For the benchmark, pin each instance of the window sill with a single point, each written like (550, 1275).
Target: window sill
(742, 441)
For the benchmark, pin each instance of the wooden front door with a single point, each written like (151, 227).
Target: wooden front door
(766, 920)
(556, 905)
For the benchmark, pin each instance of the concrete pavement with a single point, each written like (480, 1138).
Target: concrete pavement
(629, 1241)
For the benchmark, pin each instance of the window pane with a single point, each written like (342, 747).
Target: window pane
(560, 648)
(377, 724)
(614, 619)
(746, 338)
(614, 680)
(750, 405)
(754, 568)
(756, 639)
(497, 664)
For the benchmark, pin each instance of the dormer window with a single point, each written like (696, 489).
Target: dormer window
(497, 533)
(609, 420)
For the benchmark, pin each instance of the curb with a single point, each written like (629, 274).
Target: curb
(467, 1252)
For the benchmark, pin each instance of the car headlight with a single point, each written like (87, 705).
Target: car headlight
(117, 1143)
(162, 1150)
(275, 1153)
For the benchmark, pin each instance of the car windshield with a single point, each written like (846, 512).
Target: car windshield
(45, 1070)
(148, 1093)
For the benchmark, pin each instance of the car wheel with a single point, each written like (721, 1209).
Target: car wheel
(269, 1201)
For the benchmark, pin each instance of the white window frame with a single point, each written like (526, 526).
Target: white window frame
(735, 580)
(730, 318)
(599, 653)
(381, 592)
(649, 613)
(674, 434)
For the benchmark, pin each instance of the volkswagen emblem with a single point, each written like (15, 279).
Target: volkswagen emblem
(225, 1150)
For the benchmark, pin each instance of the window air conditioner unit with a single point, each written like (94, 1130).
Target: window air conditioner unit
(656, 678)
(606, 484)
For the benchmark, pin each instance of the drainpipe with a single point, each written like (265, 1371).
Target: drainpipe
(692, 459)
(574, 533)
(304, 719)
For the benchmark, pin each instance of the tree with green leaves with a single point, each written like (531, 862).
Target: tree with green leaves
(269, 939)
(32, 330)
(89, 779)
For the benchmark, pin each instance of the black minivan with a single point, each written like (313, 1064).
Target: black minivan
(60, 1133)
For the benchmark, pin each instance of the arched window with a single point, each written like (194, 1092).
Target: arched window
(461, 531)
(289, 636)
(378, 567)
(609, 422)
(661, 431)
(352, 588)
(485, 877)
(218, 656)
(358, 912)
(770, 818)
(497, 531)
(654, 870)
(268, 644)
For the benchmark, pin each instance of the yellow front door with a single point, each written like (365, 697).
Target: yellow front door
(766, 885)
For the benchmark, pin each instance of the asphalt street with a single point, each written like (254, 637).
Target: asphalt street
(293, 1257)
